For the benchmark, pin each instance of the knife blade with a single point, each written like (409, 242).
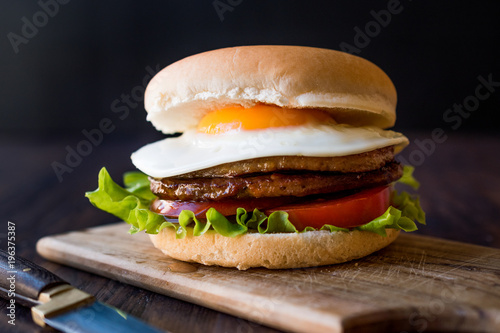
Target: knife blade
(57, 304)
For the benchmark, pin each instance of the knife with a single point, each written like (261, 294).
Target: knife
(56, 303)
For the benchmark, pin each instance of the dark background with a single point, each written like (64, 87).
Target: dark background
(90, 53)
(67, 64)
(87, 59)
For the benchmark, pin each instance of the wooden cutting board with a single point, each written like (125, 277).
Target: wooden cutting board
(417, 283)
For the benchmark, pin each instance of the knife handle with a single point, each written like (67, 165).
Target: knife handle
(24, 279)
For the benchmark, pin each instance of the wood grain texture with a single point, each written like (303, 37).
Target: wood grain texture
(418, 283)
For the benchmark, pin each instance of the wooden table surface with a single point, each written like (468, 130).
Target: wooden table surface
(460, 193)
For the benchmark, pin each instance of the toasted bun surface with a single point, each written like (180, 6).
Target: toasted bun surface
(280, 250)
(352, 89)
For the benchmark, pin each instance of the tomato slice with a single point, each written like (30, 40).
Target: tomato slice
(345, 212)
(172, 208)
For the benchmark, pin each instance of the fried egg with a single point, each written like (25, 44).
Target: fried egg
(236, 133)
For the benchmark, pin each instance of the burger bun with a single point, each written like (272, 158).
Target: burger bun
(354, 90)
(276, 250)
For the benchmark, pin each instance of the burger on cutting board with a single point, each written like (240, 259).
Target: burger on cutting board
(283, 161)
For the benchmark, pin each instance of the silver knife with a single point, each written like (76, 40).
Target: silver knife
(57, 304)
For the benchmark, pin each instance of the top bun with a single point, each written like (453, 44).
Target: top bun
(352, 89)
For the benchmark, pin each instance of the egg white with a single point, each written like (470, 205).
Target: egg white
(194, 151)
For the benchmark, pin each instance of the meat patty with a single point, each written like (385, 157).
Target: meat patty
(363, 162)
(272, 185)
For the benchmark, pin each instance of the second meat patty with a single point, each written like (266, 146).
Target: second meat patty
(272, 185)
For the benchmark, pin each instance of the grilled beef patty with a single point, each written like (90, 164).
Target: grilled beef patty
(362, 162)
(296, 183)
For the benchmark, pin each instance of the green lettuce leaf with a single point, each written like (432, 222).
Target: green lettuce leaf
(408, 178)
(131, 204)
(138, 184)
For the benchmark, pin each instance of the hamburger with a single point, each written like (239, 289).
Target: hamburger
(284, 160)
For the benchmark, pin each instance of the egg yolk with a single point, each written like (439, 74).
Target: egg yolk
(260, 116)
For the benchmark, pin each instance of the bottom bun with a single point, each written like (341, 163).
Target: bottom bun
(279, 250)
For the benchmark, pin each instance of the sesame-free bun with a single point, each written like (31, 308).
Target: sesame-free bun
(352, 89)
(277, 251)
